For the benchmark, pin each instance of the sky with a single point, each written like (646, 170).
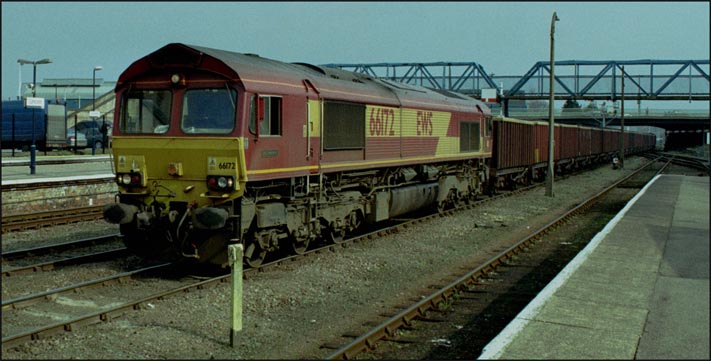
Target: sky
(506, 38)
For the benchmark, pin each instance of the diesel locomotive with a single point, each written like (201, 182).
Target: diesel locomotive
(212, 147)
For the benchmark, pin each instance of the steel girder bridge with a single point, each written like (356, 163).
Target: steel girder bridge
(463, 77)
(574, 79)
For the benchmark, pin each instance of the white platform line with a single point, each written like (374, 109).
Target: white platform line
(12, 161)
(55, 179)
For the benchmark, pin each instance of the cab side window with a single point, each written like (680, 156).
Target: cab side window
(267, 112)
(469, 136)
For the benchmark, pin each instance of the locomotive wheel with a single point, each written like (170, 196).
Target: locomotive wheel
(300, 244)
(336, 236)
(254, 255)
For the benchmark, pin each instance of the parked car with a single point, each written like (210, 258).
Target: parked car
(92, 132)
(76, 139)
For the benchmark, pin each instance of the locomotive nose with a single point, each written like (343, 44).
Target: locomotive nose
(119, 213)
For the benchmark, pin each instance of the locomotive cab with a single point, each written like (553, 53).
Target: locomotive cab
(178, 156)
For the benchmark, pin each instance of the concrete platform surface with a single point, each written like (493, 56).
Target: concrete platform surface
(639, 290)
(17, 170)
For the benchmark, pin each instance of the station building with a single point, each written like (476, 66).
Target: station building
(77, 94)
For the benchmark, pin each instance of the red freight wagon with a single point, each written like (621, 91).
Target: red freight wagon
(520, 153)
(568, 142)
(584, 142)
(519, 149)
(610, 140)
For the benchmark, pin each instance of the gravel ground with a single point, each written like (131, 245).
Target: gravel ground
(291, 310)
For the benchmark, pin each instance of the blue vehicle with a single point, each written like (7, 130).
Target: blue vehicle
(50, 130)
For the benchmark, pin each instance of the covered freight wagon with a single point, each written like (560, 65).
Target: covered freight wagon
(50, 125)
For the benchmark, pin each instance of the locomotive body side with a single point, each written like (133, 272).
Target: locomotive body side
(214, 147)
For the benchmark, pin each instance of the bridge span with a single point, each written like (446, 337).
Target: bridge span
(574, 79)
(648, 80)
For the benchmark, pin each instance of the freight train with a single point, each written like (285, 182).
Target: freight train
(213, 147)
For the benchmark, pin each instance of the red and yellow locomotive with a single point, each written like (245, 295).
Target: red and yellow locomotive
(213, 147)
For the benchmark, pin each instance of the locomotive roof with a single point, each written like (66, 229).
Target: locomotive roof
(263, 75)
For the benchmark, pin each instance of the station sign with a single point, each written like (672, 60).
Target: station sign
(488, 95)
(37, 103)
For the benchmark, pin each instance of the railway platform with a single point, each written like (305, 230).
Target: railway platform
(639, 290)
(55, 168)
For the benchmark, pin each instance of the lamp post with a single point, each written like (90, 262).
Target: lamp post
(93, 87)
(19, 88)
(551, 122)
(622, 121)
(93, 110)
(33, 148)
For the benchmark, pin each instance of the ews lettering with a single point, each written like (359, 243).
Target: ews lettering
(424, 123)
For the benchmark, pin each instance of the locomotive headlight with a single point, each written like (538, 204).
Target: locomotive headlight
(129, 179)
(175, 78)
(220, 182)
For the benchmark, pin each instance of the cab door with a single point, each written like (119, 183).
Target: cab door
(278, 145)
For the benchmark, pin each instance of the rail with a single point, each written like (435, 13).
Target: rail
(388, 328)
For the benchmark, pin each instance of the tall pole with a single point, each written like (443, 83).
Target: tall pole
(622, 121)
(33, 147)
(19, 88)
(551, 116)
(93, 87)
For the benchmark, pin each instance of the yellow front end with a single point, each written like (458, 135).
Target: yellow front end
(178, 169)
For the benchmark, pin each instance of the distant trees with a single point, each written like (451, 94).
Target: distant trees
(571, 104)
(537, 104)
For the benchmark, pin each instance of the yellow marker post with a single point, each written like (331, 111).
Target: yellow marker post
(234, 254)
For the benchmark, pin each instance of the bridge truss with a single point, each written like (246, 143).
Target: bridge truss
(574, 79)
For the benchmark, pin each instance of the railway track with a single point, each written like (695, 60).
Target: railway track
(466, 287)
(33, 260)
(57, 247)
(111, 312)
(51, 265)
(23, 222)
(116, 310)
(24, 301)
(687, 161)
